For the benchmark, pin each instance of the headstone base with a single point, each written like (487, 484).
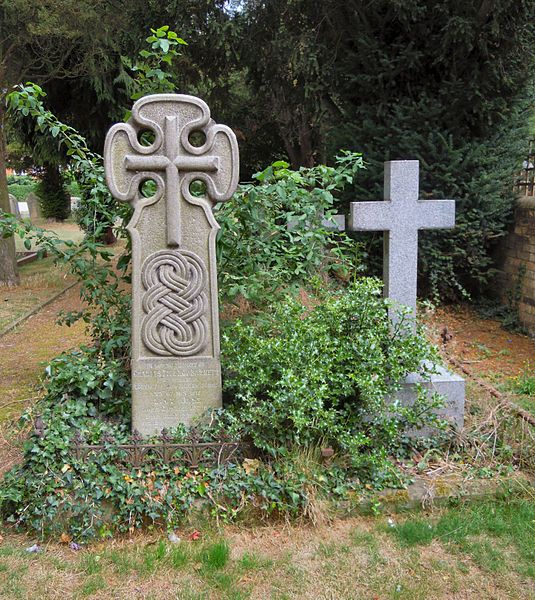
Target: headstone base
(449, 385)
(167, 392)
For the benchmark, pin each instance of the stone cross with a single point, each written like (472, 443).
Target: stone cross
(176, 373)
(400, 216)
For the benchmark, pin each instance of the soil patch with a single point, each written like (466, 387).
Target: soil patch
(483, 345)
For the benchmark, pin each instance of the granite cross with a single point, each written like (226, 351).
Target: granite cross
(176, 373)
(400, 215)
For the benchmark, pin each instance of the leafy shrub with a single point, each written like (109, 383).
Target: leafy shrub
(273, 233)
(53, 492)
(55, 202)
(295, 380)
(20, 186)
(300, 376)
(85, 373)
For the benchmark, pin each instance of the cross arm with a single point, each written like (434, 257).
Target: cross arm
(371, 216)
(436, 214)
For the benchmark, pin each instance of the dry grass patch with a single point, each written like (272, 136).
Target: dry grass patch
(348, 559)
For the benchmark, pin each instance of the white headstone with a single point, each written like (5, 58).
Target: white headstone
(24, 210)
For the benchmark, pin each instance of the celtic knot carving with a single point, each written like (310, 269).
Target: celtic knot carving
(174, 303)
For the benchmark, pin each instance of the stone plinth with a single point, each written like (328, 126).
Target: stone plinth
(449, 385)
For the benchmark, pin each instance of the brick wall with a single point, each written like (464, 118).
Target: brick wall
(519, 261)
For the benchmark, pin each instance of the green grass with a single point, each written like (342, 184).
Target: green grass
(123, 563)
(67, 231)
(412, 533)
(91, 563)
(488, 546)
(178, 556)
(215, 556)
(253, 562)
(496, 535)
(92, 585)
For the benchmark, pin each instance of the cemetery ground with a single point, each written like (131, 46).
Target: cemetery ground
(40, 280)
(468, 549)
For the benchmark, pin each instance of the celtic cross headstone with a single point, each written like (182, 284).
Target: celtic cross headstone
(176, 374)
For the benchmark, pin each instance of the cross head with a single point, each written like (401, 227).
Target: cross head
(401, 215)
(170, 160)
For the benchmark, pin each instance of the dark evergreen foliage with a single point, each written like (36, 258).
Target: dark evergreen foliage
(447, 82)
(55, 201)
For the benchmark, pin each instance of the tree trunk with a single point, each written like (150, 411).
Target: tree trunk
(8, 260)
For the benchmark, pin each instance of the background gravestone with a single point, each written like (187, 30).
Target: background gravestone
(34, 206)
(401, 215)
(14, 206)
(176, 373)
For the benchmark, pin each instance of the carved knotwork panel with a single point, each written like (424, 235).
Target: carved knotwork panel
(174, 303)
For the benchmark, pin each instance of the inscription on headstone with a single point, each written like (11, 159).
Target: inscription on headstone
(176, 374)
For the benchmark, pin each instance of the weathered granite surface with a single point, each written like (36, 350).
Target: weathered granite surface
(401, 215)
(34, 206)
(449, 385)
(176, 374)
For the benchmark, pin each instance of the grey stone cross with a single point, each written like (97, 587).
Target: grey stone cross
(400, 215)
(173, 161)
(176, 371)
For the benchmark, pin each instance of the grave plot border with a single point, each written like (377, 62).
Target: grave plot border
(139, 452)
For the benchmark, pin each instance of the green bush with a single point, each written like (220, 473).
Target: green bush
(55, 201)
(20, 186)
(302, 376)
(295, 380)
(99, 380)
(273, 233)
(53, 492)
